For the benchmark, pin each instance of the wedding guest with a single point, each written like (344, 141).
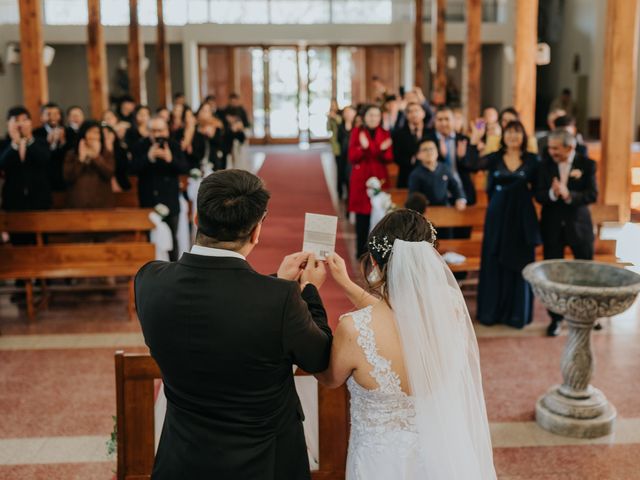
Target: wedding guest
(120, 181)
(164, 113)
(380, 91)
(334, 119)
(349, 115)
(459, 121)
(452, 150)
(510, 230)
(493, 141)
(53, 132)
(417, 202)
(415, 96)
(126, 109)
(568, 123)
(185, 136)
(24, 160)
(110, 119)
(236, 108)
(406, 141)
(552, 116)
(179, 99)
(209, 139)
(565, 102)
(565, 189)
(158, 161)
(75, 118)
(370, 149)
(390, 113)
(177, 118)
(89, 167)
(434, 179)
(140, 127)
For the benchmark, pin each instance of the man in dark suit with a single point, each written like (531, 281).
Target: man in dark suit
(566, 187)
(226, 339)
(453, 150)
(53, 132)
(406, 141)
(158, 161)
(24, 160)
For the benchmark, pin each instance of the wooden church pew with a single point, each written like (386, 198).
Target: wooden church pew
(474, 217)
(135, 397)
(62, 257)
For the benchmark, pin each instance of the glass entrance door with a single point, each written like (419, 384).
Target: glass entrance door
(283, 97)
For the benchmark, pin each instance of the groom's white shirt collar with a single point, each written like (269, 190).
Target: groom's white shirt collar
(215, 252)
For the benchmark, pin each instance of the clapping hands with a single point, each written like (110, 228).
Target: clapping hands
(560, 190)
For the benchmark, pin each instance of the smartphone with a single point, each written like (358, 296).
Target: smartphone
(480, 124)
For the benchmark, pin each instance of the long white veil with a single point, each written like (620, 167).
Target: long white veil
(442, 361)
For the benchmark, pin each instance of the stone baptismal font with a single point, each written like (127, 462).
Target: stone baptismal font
(582, 291)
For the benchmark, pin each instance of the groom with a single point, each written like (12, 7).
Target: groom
(226, 337)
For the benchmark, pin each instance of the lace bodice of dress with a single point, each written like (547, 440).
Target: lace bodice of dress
(386, 408)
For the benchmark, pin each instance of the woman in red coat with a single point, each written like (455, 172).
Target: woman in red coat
(369, 152)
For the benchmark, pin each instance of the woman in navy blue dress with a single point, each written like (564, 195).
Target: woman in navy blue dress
(510, 230)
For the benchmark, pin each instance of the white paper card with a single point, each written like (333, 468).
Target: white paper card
(320, 234)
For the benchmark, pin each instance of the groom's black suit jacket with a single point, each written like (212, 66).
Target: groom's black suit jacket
(225, 338)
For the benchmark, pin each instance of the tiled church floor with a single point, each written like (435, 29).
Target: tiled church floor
(57, 393)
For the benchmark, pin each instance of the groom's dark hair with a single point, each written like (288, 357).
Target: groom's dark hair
(231, 203)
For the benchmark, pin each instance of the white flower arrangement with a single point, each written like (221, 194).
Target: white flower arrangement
(162, 210)
(379, 199)
(195, 173)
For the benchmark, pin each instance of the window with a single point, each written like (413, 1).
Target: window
(174, 12)
(66, 12)
(115, 12)
(147, 12)
(300, 11)
(234, 11)
(198, 11)
(362, 11)
(9, 13)
(182, 12)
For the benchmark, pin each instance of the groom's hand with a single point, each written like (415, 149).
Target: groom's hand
(314, 273)
(292, 266)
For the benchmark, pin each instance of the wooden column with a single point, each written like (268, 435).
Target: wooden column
(418, 45)
(525, 62)
(619, 89)
(473, 58)
(137, 83)
(439, 47)
(162, 60)
(35, 85)
(97, 61)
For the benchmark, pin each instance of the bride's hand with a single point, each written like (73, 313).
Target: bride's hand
(338, 269)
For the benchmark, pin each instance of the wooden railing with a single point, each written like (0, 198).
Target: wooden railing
(135, 397)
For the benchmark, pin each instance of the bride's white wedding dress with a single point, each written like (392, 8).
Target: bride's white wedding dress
(440, 431)
(384, 441)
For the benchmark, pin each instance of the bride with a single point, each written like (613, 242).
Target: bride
(410, 359)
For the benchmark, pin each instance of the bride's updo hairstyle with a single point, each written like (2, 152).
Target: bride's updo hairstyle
(402, 224)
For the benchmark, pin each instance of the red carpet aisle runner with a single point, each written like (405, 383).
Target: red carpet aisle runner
(297, 185)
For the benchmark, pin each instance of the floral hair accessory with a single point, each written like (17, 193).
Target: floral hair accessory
(380, 247)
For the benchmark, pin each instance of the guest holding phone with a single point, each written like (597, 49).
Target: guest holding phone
(158, 161)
